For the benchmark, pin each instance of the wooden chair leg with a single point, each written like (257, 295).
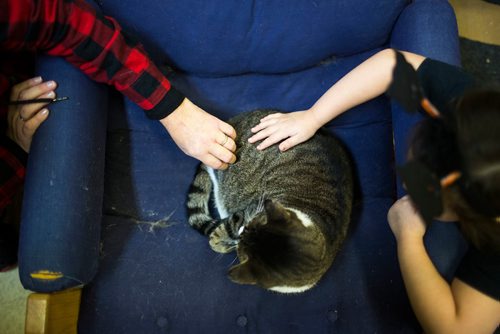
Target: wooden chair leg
(53, 313)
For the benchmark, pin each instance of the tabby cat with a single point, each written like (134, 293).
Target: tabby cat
(286, 214)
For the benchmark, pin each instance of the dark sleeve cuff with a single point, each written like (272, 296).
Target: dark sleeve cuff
(443, 83)
(14, 149)
(481, 270)
(170, 102)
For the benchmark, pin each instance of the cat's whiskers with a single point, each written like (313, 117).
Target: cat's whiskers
(232, 262)
(218, 257)
(250, 215)
(262, 199)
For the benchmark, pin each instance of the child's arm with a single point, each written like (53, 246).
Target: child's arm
(439, 307)
(367, 81)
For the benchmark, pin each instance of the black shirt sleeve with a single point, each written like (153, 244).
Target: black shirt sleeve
(442, 82)
(481, 270)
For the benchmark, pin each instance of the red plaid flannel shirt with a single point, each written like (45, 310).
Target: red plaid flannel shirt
(89, 40)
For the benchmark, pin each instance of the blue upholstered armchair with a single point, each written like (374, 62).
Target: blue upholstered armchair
(105, 193)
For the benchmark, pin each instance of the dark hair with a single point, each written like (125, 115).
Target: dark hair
(467, 139)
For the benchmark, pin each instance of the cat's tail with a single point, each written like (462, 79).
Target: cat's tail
(198, 198)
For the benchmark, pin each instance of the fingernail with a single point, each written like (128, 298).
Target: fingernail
(51, 84)
(50, 95)
(36, 80)
(44, 111)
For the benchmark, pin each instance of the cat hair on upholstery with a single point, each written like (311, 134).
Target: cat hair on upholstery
(285, 213)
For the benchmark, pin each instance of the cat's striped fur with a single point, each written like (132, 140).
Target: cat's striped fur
(286, 213)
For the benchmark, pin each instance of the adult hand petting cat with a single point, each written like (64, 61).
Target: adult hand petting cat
(24, 120)
(290, 128)
(405, 221)
(201, 135)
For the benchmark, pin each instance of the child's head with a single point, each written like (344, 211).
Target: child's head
(468, 140)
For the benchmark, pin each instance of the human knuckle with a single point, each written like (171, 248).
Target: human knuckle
(228, 157)
(28, 126)
(24, 109)
(24, 132)
(213, 164)
(198, 150)
(23, 95)
(267, 132)
(16, 90)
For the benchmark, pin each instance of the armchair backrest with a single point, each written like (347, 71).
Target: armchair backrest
(230, 37)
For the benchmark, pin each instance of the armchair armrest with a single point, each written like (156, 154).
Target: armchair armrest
(429, 28)
(63, 194)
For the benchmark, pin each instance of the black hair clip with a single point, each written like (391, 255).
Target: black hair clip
(405, 88)
(425, 188)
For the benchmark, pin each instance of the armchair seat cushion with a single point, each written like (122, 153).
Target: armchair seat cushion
(157, 273)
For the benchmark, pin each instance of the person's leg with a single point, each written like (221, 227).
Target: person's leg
(8, 247)
(9, 233)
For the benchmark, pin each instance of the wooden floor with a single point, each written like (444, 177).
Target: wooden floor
(478, 20)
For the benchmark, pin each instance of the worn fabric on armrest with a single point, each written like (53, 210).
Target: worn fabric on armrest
(62, 207)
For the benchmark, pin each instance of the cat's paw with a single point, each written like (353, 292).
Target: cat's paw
(220, 241)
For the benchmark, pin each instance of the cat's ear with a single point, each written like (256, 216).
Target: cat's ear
(242, 274)
(274, 210)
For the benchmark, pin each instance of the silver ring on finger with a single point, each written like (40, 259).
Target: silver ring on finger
(226, 138)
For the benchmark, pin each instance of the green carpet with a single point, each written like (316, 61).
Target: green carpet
(481, 60)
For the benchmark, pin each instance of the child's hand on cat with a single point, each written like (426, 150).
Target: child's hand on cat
(291, 128)
(405, 221)
(201, 135)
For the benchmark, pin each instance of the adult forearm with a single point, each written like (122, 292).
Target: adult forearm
(365, 82)
(96, 44)
(430, 295)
